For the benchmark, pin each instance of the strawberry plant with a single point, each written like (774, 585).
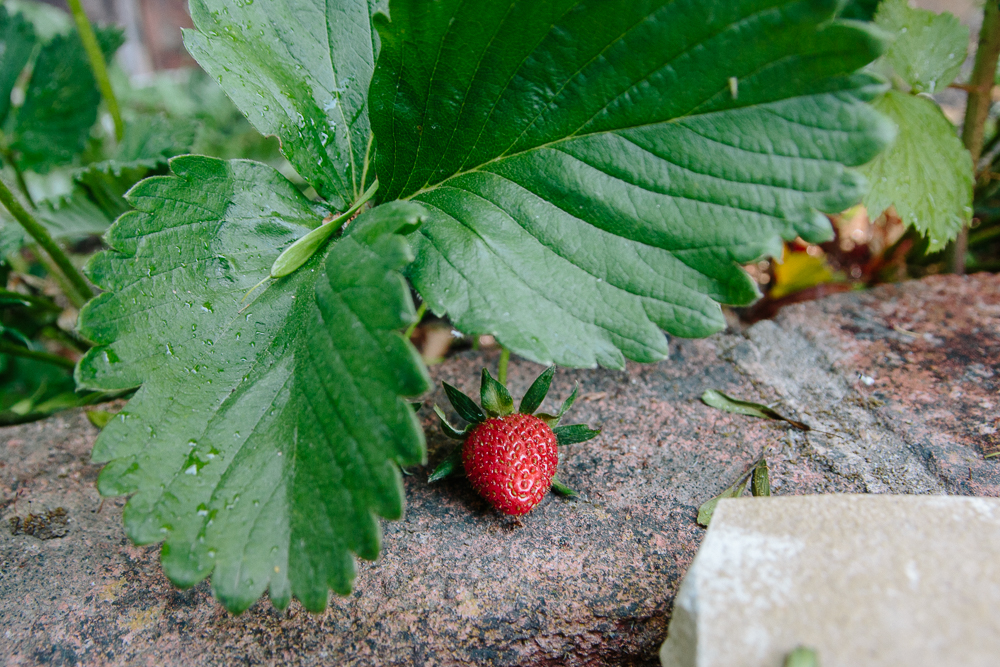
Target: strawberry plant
(69, 167)
(574, 177)
(927, 52)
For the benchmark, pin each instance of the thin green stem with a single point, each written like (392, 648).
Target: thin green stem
(67, 338)
(977, 110)
(502, 366)
(42, 237)
(64, 284)
(18, 351)
(368, 154)
(97, 64)
(420, 315)
(22, 184)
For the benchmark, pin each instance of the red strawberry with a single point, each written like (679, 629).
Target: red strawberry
(510, 458)
(511, 461)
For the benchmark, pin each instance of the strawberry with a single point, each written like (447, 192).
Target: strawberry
(511, 461)
(510, 458)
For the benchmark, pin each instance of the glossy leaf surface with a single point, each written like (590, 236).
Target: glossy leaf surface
(60, 103)
(17, 39)
(300, 70)
(596, 170)
(926, 174)
(264, 441)
(928, 49)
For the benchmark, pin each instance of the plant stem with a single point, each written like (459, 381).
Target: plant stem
(67, 338)
(368, 153)
(22, 184)
(977, 110)
(41, 235)
(502, 365)
(420, 315)
(97, 64)
(64, 285)
(27, 301)
(18, 351)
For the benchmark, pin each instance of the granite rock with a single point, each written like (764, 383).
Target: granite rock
(901, 381)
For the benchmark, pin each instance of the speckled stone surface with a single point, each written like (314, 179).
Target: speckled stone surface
(903, 380)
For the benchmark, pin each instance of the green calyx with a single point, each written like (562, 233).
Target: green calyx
(494, 397)
(496, 402)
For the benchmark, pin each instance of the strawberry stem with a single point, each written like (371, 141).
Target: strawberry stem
(413, 325)
(502, 366)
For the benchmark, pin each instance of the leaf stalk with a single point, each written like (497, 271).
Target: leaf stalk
(97, 64)
(420, 315)
(502, 366)
(81, 290)
(22, 184)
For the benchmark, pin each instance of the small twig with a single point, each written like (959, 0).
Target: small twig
(97, 64)
(82, 291)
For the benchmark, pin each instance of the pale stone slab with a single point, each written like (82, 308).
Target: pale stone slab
(868, 581)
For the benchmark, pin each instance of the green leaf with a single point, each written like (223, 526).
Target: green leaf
(761, 486)
(17, 39)
(146, 146)
(72, 217)
(451, 466)
(562, 490)
(537, 392)
(297, 254)
(716, 399)
(860, 10)
(447, 428)
(589, 174)
(926, 174)
(802, 656)
(464, 406)
(571, 434)
(568, 403)
(761, 483)
(553, 420)
(266, 438)
(155, 139)
(494, 397)
(75, 216)
(99, 418)
(707, 508)
(48, 21)
(60, 104)
(928, 49)
(300, 70)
